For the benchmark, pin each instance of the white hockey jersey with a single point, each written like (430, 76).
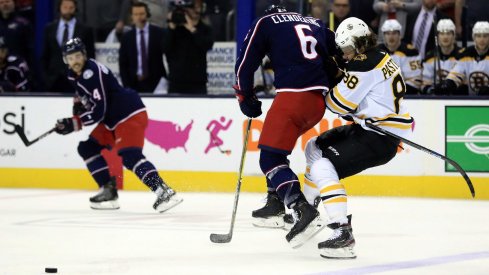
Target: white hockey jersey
(447, 63)
(407, 57)
(472, 70)
(372, 90)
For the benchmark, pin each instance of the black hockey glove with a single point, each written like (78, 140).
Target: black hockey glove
(334, 66)
(248, 103)
(68, 125)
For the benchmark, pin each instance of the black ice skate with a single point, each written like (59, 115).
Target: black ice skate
(167, 199)
(308, 223)
(106, 198)
(272, 214)
(340, 244)
(289, 219)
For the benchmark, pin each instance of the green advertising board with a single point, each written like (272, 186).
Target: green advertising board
(467, 137)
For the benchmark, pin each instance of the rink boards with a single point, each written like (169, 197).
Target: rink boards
(183, 132)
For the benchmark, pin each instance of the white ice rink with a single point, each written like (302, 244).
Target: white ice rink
(56, 228)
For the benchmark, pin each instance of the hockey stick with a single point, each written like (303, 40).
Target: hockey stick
(225, 238)
(213, 138)
(20, 131)
(426, 150)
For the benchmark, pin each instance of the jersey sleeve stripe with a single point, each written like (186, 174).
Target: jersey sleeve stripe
(343, 100)
(395, 125)
(333, 107)
(339, 104)
(247, 48)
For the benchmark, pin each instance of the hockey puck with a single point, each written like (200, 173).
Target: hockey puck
(51, 270)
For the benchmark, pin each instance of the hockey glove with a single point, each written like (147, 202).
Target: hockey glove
(68, 125)
(446, 87)
(78, 109)
(484, 90)
(248, 103)
(334, 66)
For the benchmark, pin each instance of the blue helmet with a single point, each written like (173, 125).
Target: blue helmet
(274, 9)
(72, 46)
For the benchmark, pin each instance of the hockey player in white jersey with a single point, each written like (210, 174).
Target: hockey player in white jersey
(444, 59)
(405, 55)
(472, 67)
(372, 90)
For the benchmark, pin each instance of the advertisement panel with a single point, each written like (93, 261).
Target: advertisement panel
(467, 137)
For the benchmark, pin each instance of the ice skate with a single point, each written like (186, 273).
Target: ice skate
(340, 244)
(272, 214)
(289, 218)
(308, 223)
(166, 200)
(106, 198)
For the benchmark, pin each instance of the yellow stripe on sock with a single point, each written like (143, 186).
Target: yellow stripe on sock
(309, 183)
(332, 187)
(336, 200)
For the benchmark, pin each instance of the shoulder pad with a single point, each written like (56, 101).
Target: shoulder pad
(366, 62)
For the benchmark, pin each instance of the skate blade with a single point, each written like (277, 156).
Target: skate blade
(174, 201)
(338, 253)
(105, 205)
(272, 222)
(312, 229)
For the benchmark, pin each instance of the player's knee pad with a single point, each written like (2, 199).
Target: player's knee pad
(131, 157)
(270, 161)
(312, 152)
(323, 173)
(89, 148)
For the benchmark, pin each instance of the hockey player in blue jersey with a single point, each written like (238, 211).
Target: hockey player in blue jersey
(299, 49)
(121, 120)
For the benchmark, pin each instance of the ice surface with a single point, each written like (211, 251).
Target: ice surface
(56, 228)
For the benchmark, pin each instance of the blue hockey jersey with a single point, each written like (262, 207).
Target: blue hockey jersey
(295, 45)
(104, 99)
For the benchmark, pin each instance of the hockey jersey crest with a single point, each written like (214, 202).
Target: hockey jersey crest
(373, 90)
(472, 70)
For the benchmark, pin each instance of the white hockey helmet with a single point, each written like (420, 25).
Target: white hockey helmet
(480, 27)
(445, 25)
(350, 29)
(391, 25)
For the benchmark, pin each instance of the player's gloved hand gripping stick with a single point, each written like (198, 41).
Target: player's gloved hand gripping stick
(248, 103)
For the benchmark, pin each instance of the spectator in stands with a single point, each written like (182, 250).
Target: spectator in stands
(16, 30)
(341, 11)
(472, 68)
(190, 39)
(141, 52)
(476, 11)
(56, 34)
(364, 10)
(319, 9)
(103, 16)
(442, 60)
(14, 71)
(405, 55)
(219, 12)
(395, 9)
(447, 7)
(419, 28)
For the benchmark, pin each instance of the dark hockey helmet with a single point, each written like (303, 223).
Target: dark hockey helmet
(274, 9)
(72, 46)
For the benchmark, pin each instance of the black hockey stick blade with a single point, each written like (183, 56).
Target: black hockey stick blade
(221, 238)
(20, 131)
(426, 150)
